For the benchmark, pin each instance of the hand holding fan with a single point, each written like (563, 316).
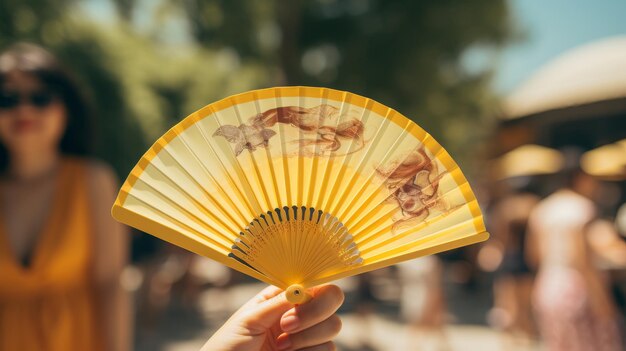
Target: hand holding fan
(299, 186)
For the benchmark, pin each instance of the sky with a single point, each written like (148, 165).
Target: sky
(552, 27)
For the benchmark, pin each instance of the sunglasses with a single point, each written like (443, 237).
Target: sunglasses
(39, 99)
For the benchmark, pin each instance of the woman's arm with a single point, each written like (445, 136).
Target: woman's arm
(605, 244)
(110, 258)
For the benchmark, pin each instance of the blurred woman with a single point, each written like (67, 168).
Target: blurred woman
(570, 297)
(422, 301)
(61, 253)
(508, 224)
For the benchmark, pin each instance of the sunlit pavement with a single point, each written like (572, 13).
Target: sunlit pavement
(388, 336)
(183, 330)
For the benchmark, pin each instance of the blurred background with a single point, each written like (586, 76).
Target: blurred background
(528, 96)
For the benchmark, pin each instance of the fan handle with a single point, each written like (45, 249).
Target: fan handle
(297, 295)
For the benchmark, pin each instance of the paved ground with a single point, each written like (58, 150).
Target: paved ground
(182, 328)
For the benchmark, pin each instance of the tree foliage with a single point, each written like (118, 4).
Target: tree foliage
(157, 61)
(406, 54)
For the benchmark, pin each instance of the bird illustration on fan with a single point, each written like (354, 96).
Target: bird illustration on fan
(414, 185)
(320, 122)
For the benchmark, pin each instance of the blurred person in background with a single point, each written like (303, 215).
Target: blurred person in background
(505, 255)
(366, 303)
(570, 297)
(61, 253)
(619, 276)
(422, 301)
(620, 220)
(610, 248)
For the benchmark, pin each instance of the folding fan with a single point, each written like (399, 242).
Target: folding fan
(299, 186)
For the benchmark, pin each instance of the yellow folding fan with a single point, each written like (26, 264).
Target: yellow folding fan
(299, 186)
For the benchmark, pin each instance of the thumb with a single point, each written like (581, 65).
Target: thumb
(268, 312)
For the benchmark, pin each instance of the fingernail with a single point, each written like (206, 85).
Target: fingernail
(283, 343)
(290, 323)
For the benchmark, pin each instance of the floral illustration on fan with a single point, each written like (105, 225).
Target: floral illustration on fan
(321, 126)
(414, 185)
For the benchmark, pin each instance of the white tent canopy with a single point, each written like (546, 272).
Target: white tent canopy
(590, 73)
(607, 161)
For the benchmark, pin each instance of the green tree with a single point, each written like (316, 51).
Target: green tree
(405, 54)
(147, 71)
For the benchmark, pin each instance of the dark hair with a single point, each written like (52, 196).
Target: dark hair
(37, 61)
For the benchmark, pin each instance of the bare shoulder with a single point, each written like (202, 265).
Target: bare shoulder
(101, 176)
(102, 184)
(564, 208)
(568, 199)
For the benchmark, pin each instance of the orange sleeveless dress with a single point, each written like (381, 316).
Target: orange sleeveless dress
(50, 305)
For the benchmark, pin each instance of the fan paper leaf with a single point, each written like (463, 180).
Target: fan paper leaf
(301, 185)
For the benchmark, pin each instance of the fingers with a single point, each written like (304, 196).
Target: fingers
(267, 293)
(316, 337)
(265, 309)
(325, 302)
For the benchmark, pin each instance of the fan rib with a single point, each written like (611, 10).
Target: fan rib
(324, 195)
(353, 181)
(297, 228)
(418, 252)
(221, 245)
(315, 161)
(303, 232)
(258, 265)
(331, 261)
(255, 165)
(317, 250)
(380, 205)
(284, 152)
(366, 249)
(313, 252)
(295, 233)
(332, 232)
(193, 200)
(241, 175)
(270, 163)
(341, 242)
(214, 201)
(211, 177)
(257, 238)
(229, 179)
(289, 235)
(370, 228)
(362, 191)
(186, 212)
(269, 266)
(380, 213)
(339, 196)
(300, 169)
(277, 253)
(407, 247)
(193, 243)
(305, 247)
(238, 259)
(308, 245)
(360, 210)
